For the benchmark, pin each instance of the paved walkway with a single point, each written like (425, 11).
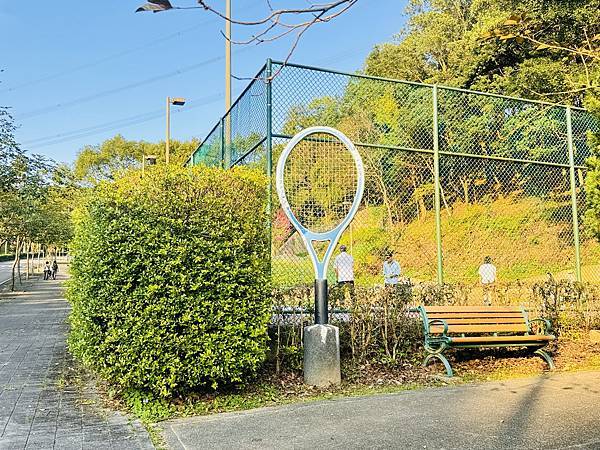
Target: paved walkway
(5, 271)
(550, 412)
(42, 404)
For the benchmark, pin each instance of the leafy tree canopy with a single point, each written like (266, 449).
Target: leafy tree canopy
(36, 195)
(110, 159)
(448, 42)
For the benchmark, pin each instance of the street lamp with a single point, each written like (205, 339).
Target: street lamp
(148, 160)
(178, 101)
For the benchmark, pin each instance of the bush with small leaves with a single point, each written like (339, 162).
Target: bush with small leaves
(170, 282)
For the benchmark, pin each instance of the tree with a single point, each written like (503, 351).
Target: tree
(34, 207)
(274, 25)
(575, 43)
(110, 159)
(462, 43)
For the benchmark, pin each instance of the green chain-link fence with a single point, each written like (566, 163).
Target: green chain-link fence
(452, 175)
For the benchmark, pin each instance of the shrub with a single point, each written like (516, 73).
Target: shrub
(170, 279)
(375, 325)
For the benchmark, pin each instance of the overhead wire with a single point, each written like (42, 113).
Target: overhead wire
(98, 61)
(143, 117)
(113, 56)
(117, 125)
(116, 90)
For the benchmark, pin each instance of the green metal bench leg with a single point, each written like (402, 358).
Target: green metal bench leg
(442, 358)
(546, 356)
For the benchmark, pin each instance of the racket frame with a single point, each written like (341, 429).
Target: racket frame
(309, 236)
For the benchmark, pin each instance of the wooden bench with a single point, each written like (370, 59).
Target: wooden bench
(449, 327)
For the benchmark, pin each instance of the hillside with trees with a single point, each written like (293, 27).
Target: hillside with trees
(518, 212)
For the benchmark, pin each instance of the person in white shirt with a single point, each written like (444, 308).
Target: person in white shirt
(344, 271)
(487, 278)
(391, 270)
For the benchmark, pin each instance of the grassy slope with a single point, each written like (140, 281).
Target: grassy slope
(525, 237)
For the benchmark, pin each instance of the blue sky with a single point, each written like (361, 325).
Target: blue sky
(86, 66)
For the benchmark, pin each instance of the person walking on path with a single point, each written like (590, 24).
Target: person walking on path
(344, 272)
(391, 270)
(54, 269)
(487, 278)
(47, 270)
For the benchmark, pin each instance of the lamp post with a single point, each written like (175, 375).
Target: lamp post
(147, 160)
(178, 101)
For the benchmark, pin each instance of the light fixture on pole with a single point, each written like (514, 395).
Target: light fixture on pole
(147, 160)
(178, 101)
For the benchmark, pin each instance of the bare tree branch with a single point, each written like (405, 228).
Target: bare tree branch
(277, 14)
(278, 23)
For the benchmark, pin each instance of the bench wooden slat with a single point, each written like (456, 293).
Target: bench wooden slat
(487, 309)
(473, 315)
(488, 328)
(482, 320)
(477, 325)
(503, 339)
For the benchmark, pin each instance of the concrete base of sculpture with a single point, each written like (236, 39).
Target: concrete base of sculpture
(322, 355)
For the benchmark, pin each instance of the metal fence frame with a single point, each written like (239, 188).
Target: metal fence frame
(228, 158)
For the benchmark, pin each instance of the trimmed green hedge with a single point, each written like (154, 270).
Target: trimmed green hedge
(170, 279)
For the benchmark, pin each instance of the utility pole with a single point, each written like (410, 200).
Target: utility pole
(228, 55)
(227, 82)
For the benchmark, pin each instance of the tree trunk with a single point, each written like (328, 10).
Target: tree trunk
(442, 193)
(379, 177)
(465, 186)
(16, 261)
(19, 262)
(28, 249)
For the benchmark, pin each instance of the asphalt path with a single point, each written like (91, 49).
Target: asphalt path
(6, 268)
(45, 403)
(5, 271)
(558, 411)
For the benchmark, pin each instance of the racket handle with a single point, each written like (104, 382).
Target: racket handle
(321, 307)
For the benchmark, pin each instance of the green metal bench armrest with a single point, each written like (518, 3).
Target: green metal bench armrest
(547, 325)
(438, 321)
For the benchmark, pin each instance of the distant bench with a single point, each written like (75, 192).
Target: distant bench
(448, 327)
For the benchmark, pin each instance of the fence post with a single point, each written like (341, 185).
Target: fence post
(573, 195)
(436, 182)
(268, 74)
(223, 143)
(269, 71)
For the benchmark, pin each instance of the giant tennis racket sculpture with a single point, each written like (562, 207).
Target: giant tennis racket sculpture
(320, 184)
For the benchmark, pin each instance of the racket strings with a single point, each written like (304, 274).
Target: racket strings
(320, 181)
